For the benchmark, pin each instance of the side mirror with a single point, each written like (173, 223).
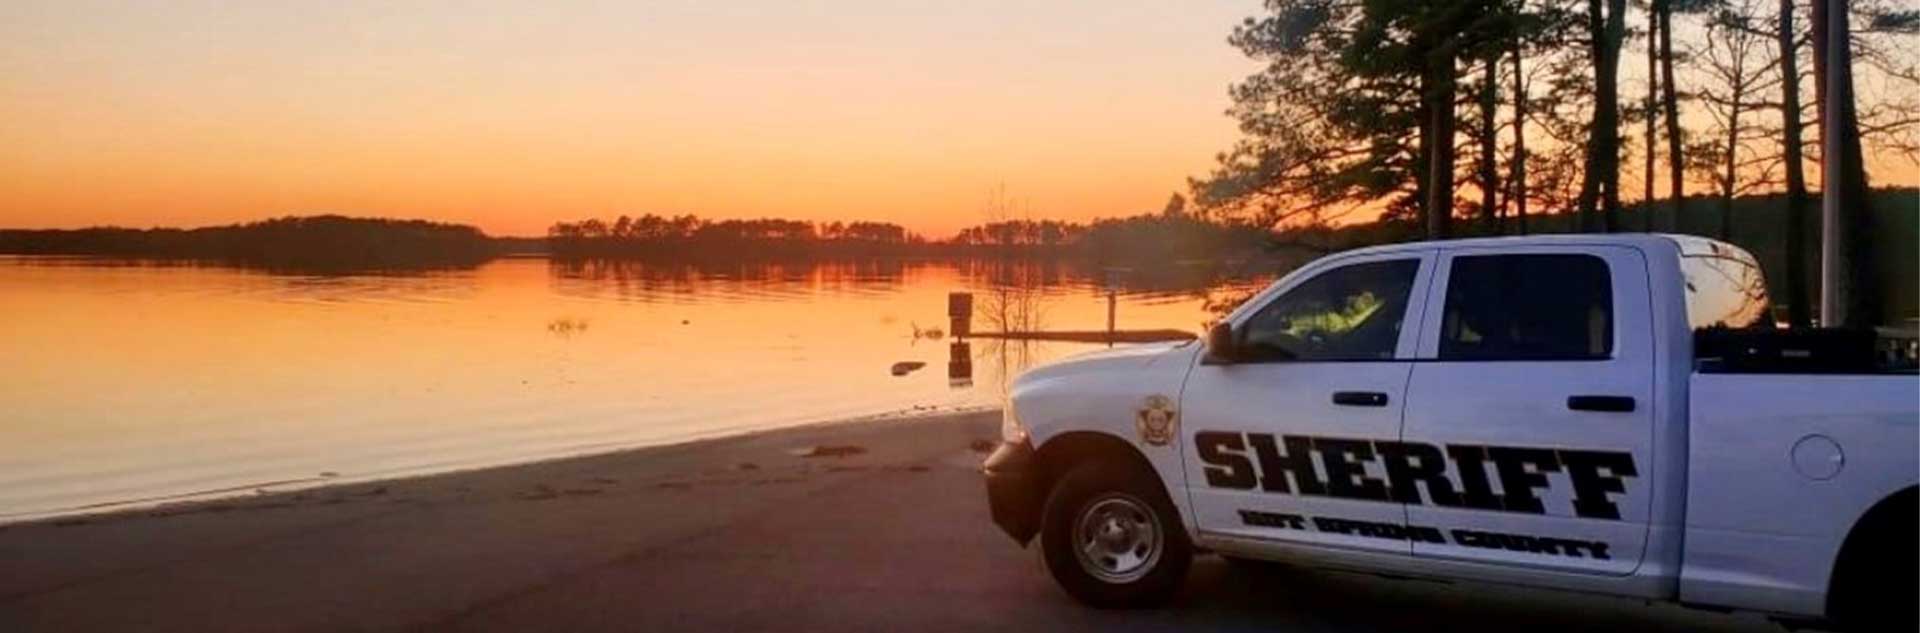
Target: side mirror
(1220, 344)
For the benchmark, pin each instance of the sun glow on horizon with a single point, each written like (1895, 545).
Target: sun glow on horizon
(511, 117)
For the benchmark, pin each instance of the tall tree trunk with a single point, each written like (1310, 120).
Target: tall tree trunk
(1670, 102)
(1817, 30)
(1616, 39)
(1596, 130)
(1732, 158)
(1489, 147)
(1519, 169)
(1422, 183)
(1441, 88)
(1849, 296)
(1798, 314)
(1653, 119)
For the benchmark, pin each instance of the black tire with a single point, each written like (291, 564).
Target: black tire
(1879, 574)
(1082, 501)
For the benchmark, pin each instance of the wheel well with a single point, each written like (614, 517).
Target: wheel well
(1885, 520)
(1063, 452)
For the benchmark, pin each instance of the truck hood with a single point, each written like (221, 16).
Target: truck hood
(1101, 391)
(1125, 358)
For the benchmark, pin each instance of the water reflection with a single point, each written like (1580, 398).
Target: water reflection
(1725, 291)
(959, 365)
(1011, 302)
(649, 281)
(135, 381)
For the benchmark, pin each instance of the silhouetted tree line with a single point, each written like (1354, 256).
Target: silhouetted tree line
(1021, 233)
(326, 242)
(1165, 236)
(1146, 238)
(1171, 244)
(690, 236)
(1173, 234)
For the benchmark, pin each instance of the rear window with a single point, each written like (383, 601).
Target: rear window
(1528, 307)
(1724, 288)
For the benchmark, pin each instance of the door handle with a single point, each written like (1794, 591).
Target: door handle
(1605, 404)
(1360, 398)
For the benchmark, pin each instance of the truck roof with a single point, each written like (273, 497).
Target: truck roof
(1687, 245)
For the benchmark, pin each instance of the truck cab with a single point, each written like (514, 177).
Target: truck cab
(1517, 410)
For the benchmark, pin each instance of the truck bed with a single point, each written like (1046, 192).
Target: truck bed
(1781, 466)
(1805, 351)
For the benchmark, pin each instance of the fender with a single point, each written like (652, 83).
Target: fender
(1107, 393)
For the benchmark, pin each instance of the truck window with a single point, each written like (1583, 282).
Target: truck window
(1348, 313)
(1724, 288)
(1528, 307)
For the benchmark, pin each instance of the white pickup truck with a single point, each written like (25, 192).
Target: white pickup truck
(1579, 412)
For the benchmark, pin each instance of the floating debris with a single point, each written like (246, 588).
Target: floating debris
(931, 334)
(905, 367)
(566, 327)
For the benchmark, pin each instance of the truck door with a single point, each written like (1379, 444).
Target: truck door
(1281, 440)
(1537, 387)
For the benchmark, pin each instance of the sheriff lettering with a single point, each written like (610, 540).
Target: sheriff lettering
(1415, 473)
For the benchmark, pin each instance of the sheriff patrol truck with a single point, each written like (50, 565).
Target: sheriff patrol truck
(1607, 414)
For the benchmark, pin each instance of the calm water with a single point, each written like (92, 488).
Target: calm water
(131, 384)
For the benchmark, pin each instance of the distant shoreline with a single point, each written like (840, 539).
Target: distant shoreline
(345, 244)
(323, 243)
(335, 244)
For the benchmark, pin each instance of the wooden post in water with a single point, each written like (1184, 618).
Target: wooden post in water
(1110, 305)
(960, 313)
(1110, 277)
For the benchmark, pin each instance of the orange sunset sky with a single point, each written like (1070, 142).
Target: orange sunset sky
(511, 115)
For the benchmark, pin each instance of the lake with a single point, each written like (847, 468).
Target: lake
(132, 383)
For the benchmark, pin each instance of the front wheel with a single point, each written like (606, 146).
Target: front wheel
(1112, 539)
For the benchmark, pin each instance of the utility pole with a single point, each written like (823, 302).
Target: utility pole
(1841, 263)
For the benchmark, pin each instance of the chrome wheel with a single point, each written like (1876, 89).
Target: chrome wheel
(1117, 538)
